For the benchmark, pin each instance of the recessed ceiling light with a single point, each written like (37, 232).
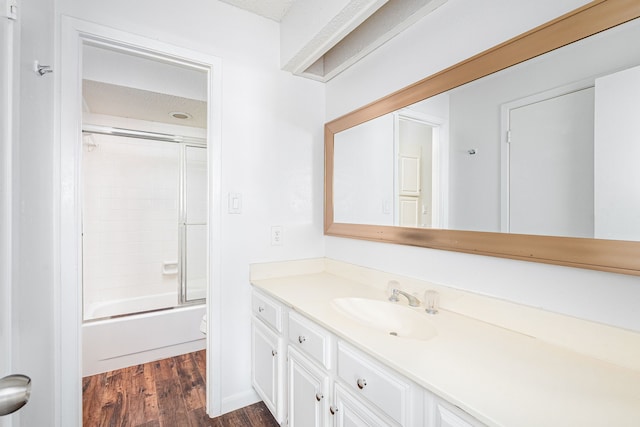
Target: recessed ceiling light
(180, 115)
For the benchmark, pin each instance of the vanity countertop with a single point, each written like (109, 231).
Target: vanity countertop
(500, 376)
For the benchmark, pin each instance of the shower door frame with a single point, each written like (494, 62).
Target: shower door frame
(68, 207)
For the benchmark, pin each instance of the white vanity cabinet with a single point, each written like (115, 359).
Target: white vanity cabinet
(308, 377)
(268, 354)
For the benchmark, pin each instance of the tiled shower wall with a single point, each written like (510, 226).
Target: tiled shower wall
(130, 218)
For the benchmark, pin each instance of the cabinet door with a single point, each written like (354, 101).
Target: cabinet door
(448, 416)
(349, 411)
(308, 392)
(265, 367)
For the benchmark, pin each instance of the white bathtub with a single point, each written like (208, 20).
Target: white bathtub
(139, 338)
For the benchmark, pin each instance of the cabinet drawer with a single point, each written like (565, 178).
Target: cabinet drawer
(310, 338)
(267, 310)
(376, 383)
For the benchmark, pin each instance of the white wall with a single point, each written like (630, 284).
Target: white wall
(272, 150)
(271, 146)
(34, 312)
(452, 33)
(363, 173)
(617, 149)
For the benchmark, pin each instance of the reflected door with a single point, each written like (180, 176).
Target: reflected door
(551, 166)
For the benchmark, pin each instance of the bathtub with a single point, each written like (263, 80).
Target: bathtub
(115, 343)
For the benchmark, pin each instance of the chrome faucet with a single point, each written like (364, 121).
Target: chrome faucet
(413, 301)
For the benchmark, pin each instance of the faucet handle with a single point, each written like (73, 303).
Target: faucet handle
(393, 288)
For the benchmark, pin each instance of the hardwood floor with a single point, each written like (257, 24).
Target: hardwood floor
(165, 393)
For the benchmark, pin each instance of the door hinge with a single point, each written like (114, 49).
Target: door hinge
(508, 137)
(9, 9)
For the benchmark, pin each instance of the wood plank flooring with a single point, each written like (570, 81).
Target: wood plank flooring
(165, 393)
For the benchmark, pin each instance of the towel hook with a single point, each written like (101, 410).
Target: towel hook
(41, 69)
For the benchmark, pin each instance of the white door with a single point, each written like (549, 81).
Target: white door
(308, 392)
(409, 170)
(265, 375)
(551, 166)
(409, 211)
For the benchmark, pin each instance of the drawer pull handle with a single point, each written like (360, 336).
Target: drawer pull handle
(273, 353)
(260, 309)
(319, 396)
(301, 339)
(361, 382)
(333, 409)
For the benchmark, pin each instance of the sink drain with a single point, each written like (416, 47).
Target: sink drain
(395, 334)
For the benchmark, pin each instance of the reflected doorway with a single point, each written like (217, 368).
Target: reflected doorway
(417, 191)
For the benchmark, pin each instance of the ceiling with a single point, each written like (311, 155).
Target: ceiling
(122, 101)
(272, 9)
(319, 39)
(332, 40)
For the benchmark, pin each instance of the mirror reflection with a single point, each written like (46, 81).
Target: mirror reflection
(545, 147)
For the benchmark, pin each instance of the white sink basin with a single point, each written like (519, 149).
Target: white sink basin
(387, 317)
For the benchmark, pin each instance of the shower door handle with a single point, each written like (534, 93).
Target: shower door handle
(15, 391)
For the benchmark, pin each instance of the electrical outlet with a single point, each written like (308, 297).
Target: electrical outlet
(276, 235)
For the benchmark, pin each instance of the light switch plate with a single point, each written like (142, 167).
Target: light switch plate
(235, 203)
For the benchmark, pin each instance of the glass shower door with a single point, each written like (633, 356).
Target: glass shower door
(194, 225)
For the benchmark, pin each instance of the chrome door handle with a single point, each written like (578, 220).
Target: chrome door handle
(15, 391)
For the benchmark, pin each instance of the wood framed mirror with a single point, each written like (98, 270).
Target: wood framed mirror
(615, 254)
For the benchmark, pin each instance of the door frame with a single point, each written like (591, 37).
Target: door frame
(505, 125)
(67, 235)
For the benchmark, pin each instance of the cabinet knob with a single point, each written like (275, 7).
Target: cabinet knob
(301, 339)
(319, 396)
(361, 382)
(260, 309)
(273, 353)
(333, 409)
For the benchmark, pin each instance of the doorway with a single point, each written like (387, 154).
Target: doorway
(150, 66)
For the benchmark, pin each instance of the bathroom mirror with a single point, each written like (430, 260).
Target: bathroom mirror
(432, 165)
